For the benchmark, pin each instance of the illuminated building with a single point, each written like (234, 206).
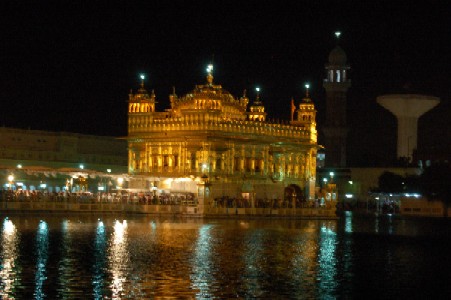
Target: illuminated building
(208, 138)
(45, 160)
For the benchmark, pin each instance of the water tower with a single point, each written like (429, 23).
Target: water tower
(407, 108)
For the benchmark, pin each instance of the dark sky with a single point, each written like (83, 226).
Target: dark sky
(69, 65)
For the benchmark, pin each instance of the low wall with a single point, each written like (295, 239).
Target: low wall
(422, 208)
(282, 212)
(320, 212)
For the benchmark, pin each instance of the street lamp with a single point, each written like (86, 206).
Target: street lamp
(10, 181)
(324, 183)
(108, 182)
(120, 181)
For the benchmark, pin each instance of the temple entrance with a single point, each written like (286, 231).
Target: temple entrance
(293, 196)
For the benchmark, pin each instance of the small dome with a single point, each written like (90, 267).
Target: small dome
(337, 56)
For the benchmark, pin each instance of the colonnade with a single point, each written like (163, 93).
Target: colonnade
(181, 158)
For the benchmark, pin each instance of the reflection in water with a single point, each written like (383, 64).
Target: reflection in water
(65, 267)
(151, 258)
(252, 258)
(302, 271)
(327, 261)
(376, 225)
(390, 224)
(119, 259)
(345, 257)
(99, 260)
(42, 255)
(202, 276)
(348, 221)
(8, 272)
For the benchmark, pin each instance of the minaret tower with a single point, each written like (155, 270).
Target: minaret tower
(257, 110)
(336, 85)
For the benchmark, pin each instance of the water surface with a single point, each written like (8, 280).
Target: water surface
(143, 257)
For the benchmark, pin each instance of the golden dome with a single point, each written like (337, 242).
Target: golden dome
(211, 97)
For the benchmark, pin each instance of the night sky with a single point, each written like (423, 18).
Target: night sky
(69, 65)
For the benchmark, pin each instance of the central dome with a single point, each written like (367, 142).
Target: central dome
(210, 98)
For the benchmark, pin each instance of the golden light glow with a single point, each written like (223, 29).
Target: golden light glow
(210, 132)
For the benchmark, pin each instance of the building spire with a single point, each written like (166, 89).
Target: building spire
(257, 110)
(141, 89)
(142, 76)
(210, 74)
(257, 99)
(307, 94)
(337, 35)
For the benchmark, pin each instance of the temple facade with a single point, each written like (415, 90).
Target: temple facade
(216, 146)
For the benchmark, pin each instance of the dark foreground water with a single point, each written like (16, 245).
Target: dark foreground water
(126, 257)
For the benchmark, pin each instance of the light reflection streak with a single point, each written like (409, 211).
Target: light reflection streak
(303, 262)
(100, 260)
(9, 255)
(390, 224)
(252, 258)
(153, 226)
(153, 232)
(65, 265)
(118, 259)
(42, 255)
(348, 221)
(327, 262)
(201, 276)
(69, 264)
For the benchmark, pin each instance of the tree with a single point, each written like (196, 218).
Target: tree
(436, 183)
(390, 182)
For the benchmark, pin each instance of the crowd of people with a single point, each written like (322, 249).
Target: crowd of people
(151, 199)
(229, 202)
(103, 197)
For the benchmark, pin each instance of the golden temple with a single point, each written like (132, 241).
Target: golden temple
(217, 146)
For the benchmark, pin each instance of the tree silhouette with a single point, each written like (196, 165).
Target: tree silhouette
(436, 183)
(390, 182)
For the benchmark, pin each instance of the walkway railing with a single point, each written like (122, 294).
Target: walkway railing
(84, 203)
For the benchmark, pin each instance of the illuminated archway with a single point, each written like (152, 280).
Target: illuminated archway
(293, 194)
